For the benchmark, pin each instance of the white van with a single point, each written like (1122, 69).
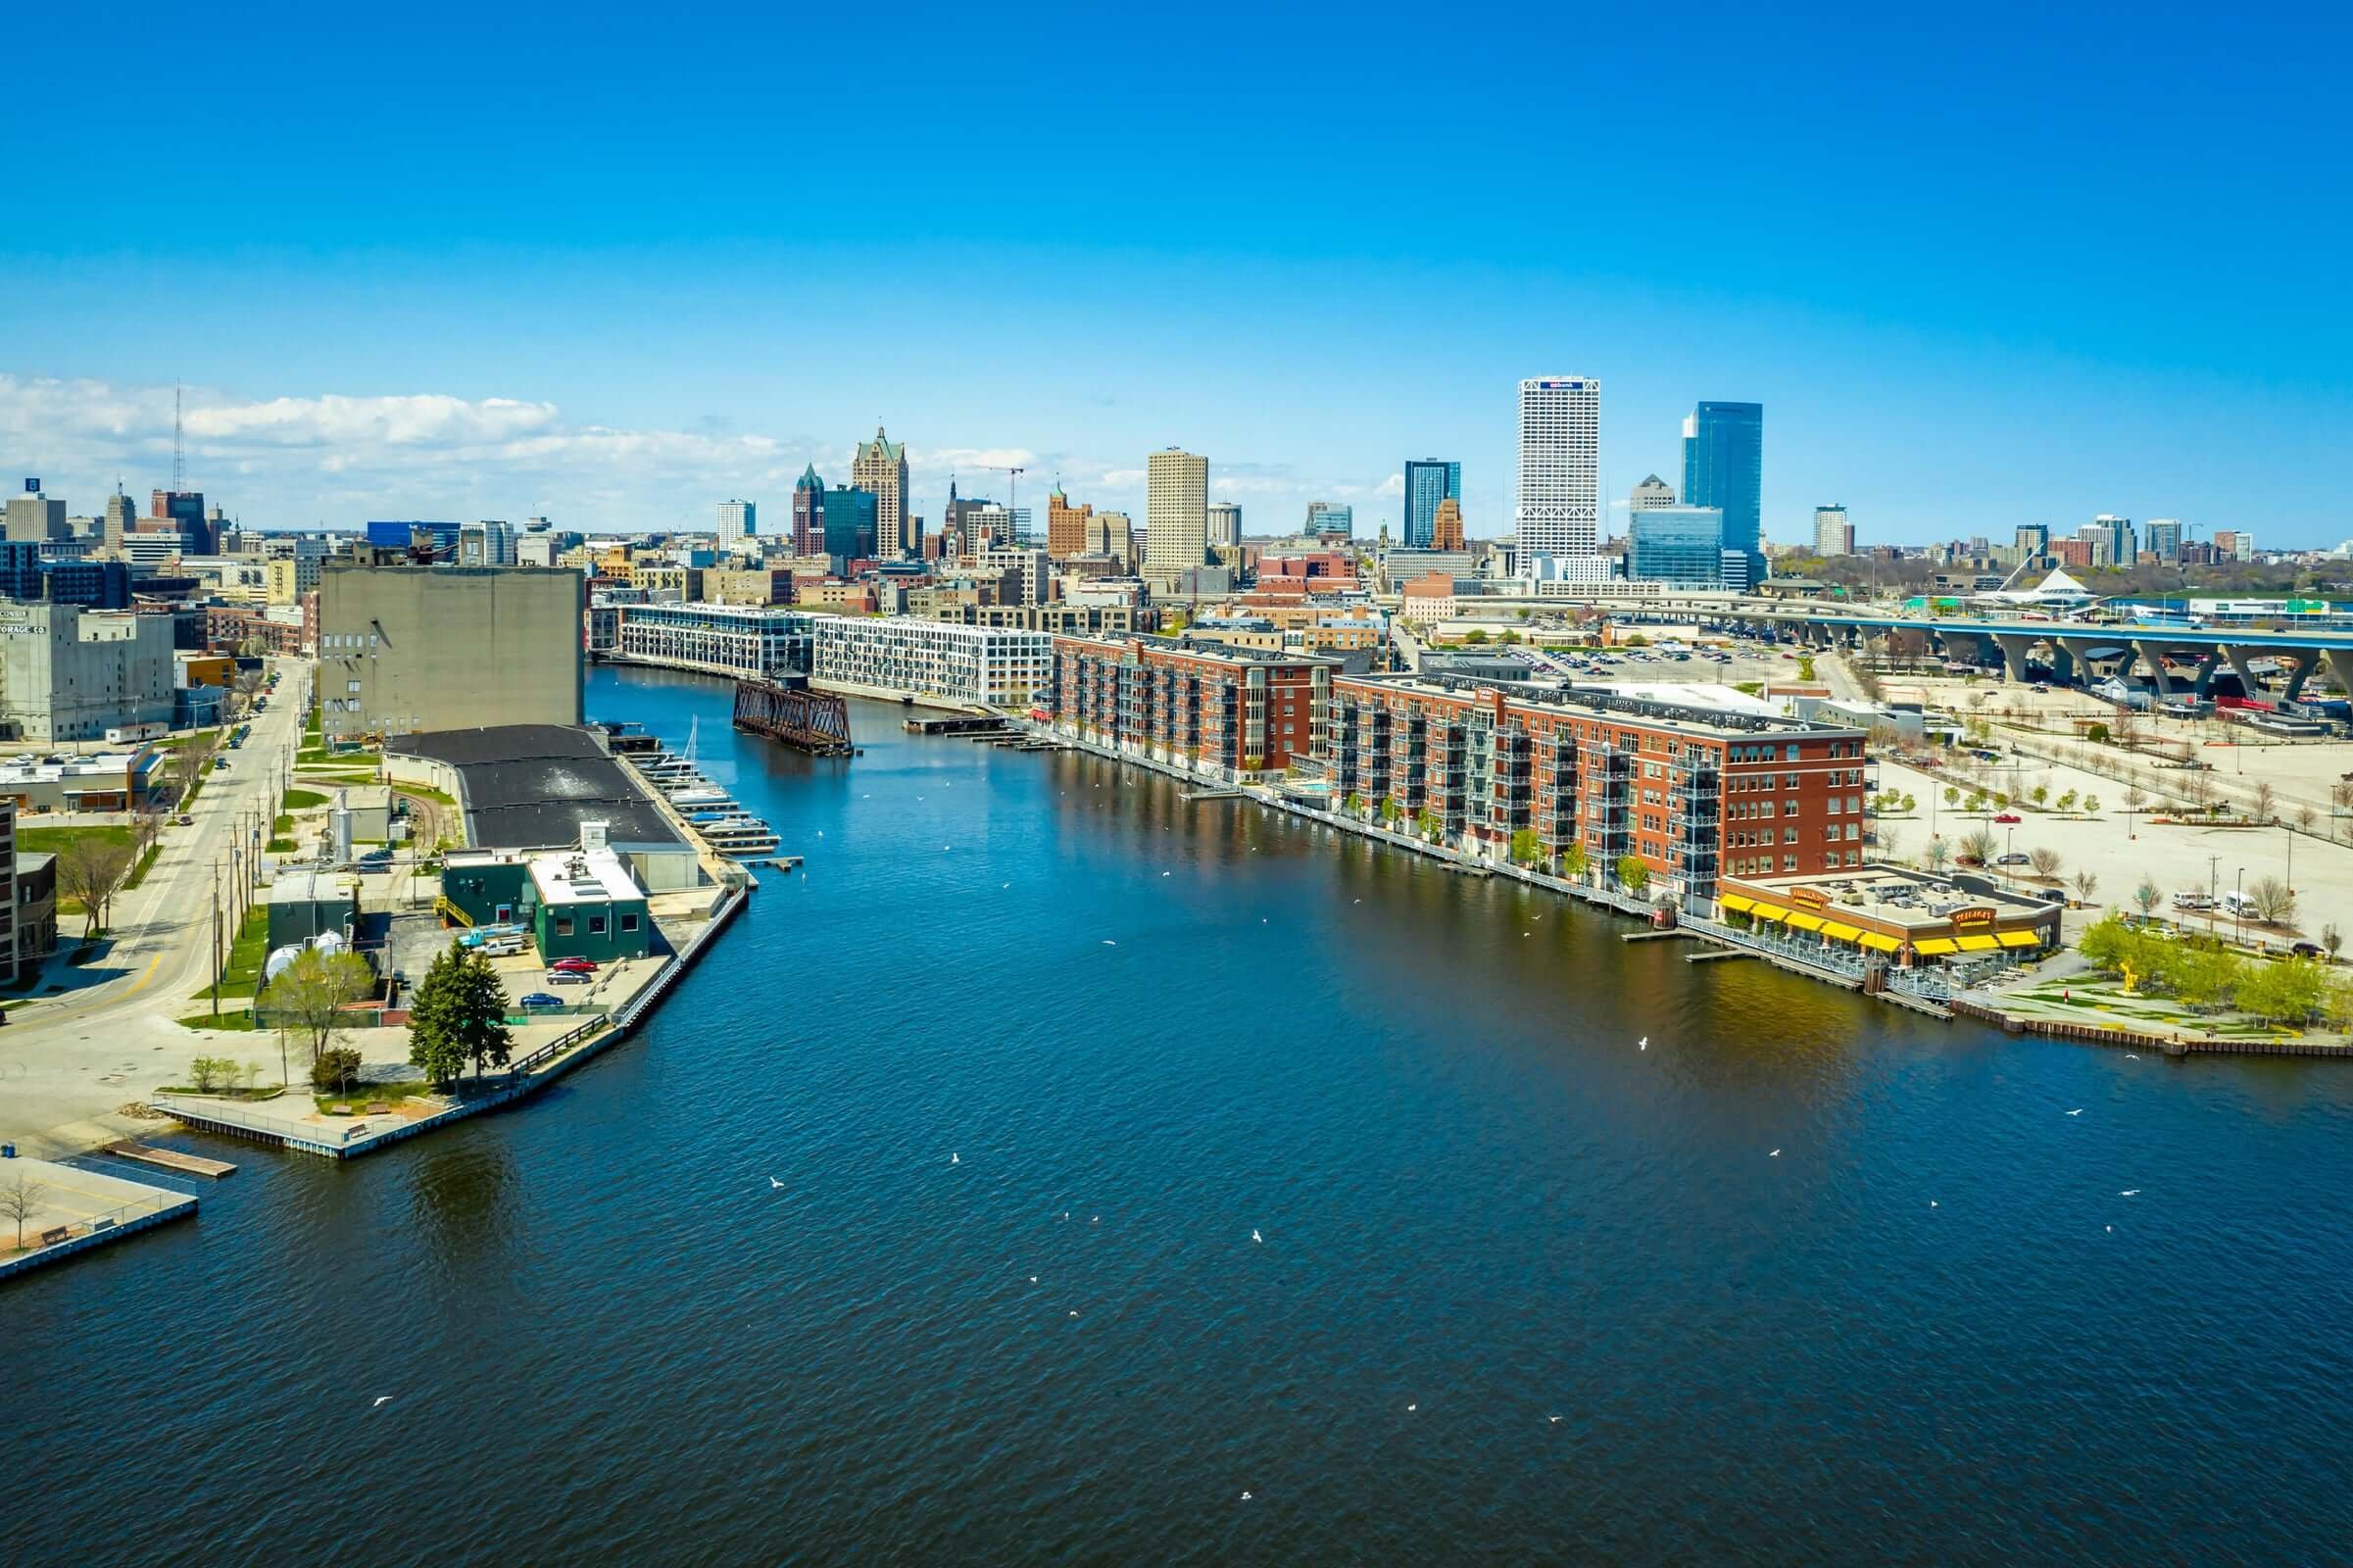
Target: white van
(2237, 906)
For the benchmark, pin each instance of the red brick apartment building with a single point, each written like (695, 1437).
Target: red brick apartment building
(1234, 713)
(1696, 793)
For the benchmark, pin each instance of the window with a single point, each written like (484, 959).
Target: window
(1789, 863)
(596, 925)
(351, 686)
(563, 925)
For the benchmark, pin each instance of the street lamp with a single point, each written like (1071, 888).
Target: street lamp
(2238, 923)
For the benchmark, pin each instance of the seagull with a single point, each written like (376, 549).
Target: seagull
(1776, 1155)
(2130, 1191)
(952, 1159)
(1108, 943)
(1166, 874)
(1256, 1237)
(1074, 1311)
(1932, 1202)
(1033, 1279)
(2112, 1230)
(1412, 1408)
(1643, 1044)
(2078, 1111)
(2131, 1056)
(1096, 1220)
(381, 1400)
(774, 1182)
(1556, 1420)
(1245, 1496)
(1009, 884)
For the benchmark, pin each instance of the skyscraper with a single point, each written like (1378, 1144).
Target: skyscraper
(1331, 519)
(1833, 535)
(2124, 547)
(119, 519)
(738, 522)
(1225, 524)
(880, 470)
(1724, 466)
(2033, 539)
(1446, 530)
(1065, 525)
(2162, 537)
(183, 511)
(809, 514)
(1176, 517)
(1652, 492)
(1428, 481)
(852, 514)
(1679, 545)
(1558, 514)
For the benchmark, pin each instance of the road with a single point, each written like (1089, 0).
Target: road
(67, 1061)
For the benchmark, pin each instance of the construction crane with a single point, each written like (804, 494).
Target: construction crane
(1012, 480)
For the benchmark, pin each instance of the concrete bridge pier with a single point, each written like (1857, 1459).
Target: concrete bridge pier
(2063, 663)
(2307, 660)
(2153, 655)
(2079, 652)
(2012, 646)
(2238, 662)
(2340, 668)
(2210, 665)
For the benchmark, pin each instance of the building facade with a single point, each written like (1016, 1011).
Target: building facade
(1445, 528)
(1724, 466)
(1558, 510)
(880, 470)
(852, 524)
(411, 649)
(1233, 713)
(1679, 544)
(739, 522)
(1225, 524)
(1176, 517)
(1833, 535)
(2161, 537)
(1428, 481)
(739, 640)
(808, 513)
(1651, 493)
(966, 666)
(1065, 525)
(1331, 519)
(1563, 777)
(70, 674)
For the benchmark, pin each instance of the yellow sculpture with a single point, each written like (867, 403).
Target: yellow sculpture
(2130, 978)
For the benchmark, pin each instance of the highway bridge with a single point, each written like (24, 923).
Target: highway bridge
(2135, 653)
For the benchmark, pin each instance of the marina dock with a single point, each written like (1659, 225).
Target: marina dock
(171, 1160)
(71, 1210)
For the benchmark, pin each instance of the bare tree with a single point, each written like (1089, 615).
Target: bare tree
(2046, 861)
(1978, 846)
(1938, 855)
(145, 828)
(2265, 798)
(89, 870)
(2275, 901)
(2087, 883)
(188, 764)
(2306, 816)
(2147, 896)
(21, 1200)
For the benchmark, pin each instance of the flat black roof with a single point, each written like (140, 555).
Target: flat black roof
(530, 786)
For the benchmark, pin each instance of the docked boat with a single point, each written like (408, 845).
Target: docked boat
(736, 836)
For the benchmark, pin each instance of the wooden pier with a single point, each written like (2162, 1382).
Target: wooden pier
(171, 1159)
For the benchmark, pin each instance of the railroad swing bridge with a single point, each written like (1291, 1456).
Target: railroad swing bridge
(810, 721)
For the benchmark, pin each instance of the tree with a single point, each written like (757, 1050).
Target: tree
(2275, 901)
(1634, 874)
(2265, 798)
(2147, 896)
(2202, 974)
(2285, 991)
(1390, 811)
(21, 1200)
(1475, 635)
(1978, 846)
(189, 764)
(89, 869)
(1910, 804)
(1952, 797)
(204, 1072)
(2331, 938)
(2087, 883)
(310, 994)
(2039, 794)
(1938, 854)
(2305, 818)
(2067, 802)
(2091, 804)
(1574, 862)
(2045, 860)
(1524, 846)
(336, 1071)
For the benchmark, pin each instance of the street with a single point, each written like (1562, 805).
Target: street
(67, 1061)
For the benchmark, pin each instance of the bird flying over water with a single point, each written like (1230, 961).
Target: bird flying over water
(1256, 1237)
(380, 1401)
(2130, 1191)
(774, 1182)
(1643, 1044)
(1776, 1155)
(2078, 1111)
(1245, 1496)
(956, 1159)
(1108, 943)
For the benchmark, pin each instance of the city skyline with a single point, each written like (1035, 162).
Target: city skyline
(1960, 295)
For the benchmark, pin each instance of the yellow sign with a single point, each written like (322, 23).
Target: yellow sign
(1809, 898)
(1962, 920)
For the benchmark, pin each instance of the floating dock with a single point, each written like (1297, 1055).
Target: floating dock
(71, 1210)
(171, 1160)
(957, 724)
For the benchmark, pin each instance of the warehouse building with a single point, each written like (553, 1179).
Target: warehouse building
(417, 650)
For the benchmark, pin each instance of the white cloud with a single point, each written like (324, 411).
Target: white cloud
(1392, 486)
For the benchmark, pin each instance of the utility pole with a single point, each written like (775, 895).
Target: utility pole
(215, 937)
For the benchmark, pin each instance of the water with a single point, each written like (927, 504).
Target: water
(609, 1337)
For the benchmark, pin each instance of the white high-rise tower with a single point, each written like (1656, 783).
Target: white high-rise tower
(1560, 474)
(738, 522)
(1176, 517)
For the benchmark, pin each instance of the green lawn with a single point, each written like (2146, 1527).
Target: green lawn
(53, 840)
(429, 793)
(232, 1017)
(320, 756)
(241, 975)
(302, 801)
(362, 1095)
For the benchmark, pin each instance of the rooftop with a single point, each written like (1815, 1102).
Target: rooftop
(1689, 717)
(1906, 900)
(531, 786)
(583, 876)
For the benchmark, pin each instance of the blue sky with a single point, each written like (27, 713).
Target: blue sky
(1981, 268)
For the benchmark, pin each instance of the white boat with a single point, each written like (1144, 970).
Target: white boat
(702, 798)
(738, 836)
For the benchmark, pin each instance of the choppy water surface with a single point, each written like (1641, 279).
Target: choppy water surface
(1525, 1294)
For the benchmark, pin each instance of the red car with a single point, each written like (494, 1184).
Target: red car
(2006, 816)
(574, 965)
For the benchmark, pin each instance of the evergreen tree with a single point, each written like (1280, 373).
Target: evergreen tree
(459, 1015)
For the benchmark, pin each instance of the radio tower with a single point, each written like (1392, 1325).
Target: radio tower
(179, 452)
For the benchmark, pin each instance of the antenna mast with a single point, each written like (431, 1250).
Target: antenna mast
(178, 452)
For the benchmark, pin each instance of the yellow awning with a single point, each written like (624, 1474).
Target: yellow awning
(1979, 944)
(1801, 921)
(1840, 933)
(1879, 944)
(2018, 938)
(1934, 945)
(1734, 901)
(1769, 911)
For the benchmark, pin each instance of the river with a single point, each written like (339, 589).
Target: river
(1033, 1049)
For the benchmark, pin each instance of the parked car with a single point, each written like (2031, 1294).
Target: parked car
(2009, 816)
(575, 966)
(2013, 860)
(184, 820)
(539, 998)
(2192, 901)
(2309, 950)
(564, 977)
(502, 946)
